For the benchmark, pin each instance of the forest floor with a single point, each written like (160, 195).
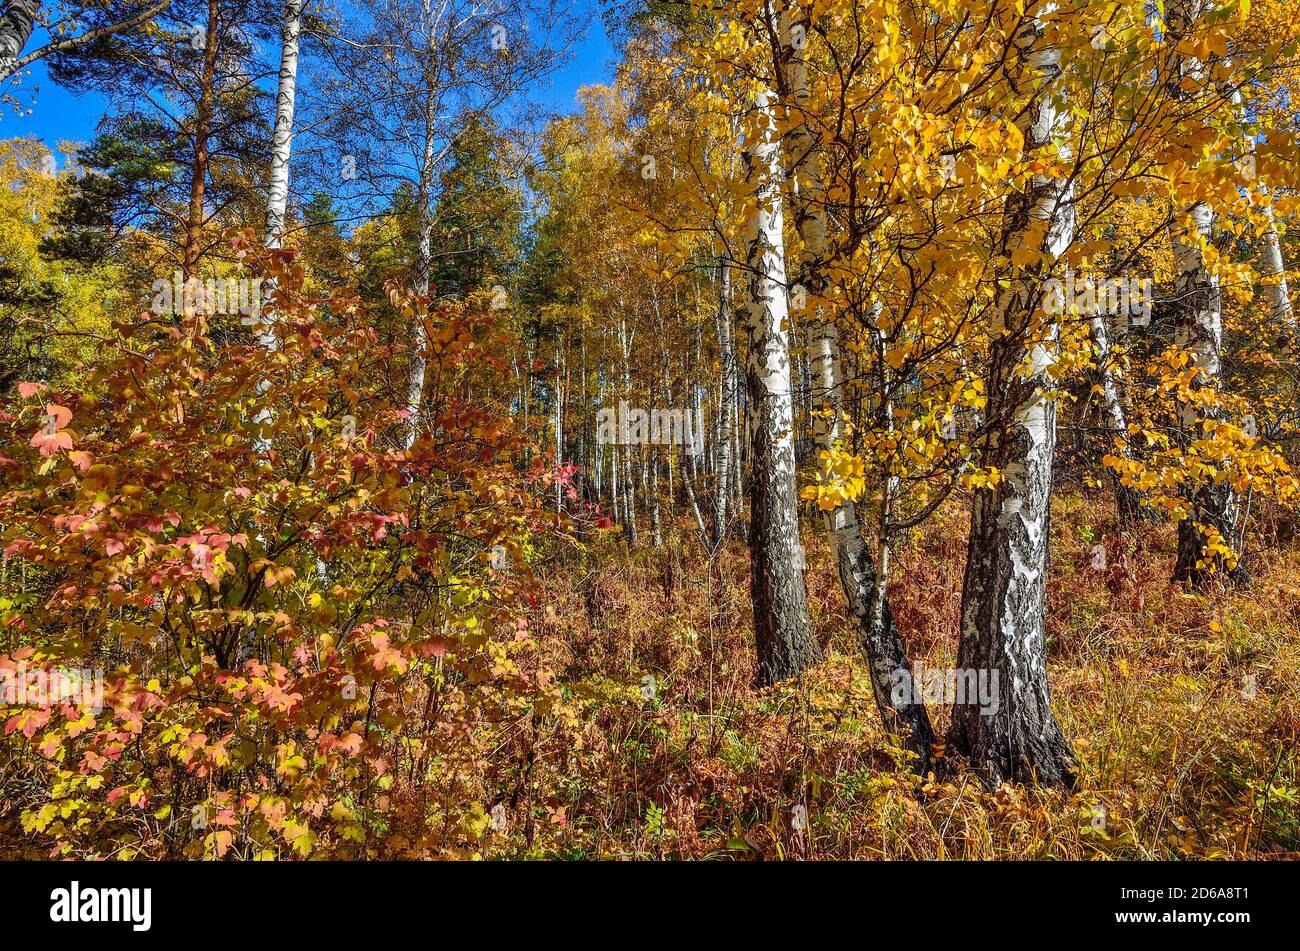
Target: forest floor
(1182, 709)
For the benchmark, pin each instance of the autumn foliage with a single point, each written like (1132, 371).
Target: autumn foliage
(979, 316)
(307, 651)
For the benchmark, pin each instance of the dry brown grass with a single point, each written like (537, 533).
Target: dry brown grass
(1148, 681)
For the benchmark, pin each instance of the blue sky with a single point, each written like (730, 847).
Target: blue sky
(58, 115)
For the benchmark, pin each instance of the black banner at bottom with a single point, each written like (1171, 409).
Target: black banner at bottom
(140, 902)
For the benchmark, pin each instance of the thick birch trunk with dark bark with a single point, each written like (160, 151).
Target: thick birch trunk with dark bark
(1005, 585)
(19, 19)
(15, 30)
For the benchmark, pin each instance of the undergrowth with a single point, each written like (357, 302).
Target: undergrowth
(1181, 708)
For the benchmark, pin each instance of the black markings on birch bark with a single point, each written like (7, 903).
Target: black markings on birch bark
(863, 589)
(783, 630)
(1005, 585)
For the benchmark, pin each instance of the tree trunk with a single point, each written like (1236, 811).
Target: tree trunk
(278, 191)
(1272, 265)
(615, 496)
(282, 138)
(1005, 585)
(424, 257)
(1274, 269)
(561, 432)
(1128, 501)
(195, 221)
(629, 452)
(879, 638)
(629, 497)
(786, 646)
(15, 30)
(726, 406)
(691, 498)
(1198, 332)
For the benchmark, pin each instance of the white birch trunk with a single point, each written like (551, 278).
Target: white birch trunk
(277, 198)
(880, 640)
(786, 645)
(15, 30)
(278, 190)
(1273, 267)
(282, 137)
(559, 438)
(1128, 501)
(423, 266)
(726, 406)
(1198, 332)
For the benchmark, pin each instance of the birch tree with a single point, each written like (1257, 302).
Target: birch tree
(397, 96)
(282, 134)
(1210, 527)
(1128, 501)
(863, 588)
(1272, 265)
(1277, 289)
(15, 30)
(1004, 589)
(727, 465)
(278, 190)
(786, 646)
(70, 26)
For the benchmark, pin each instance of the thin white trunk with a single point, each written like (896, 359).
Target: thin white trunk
(862, 585)
(725, 442)
(278, 189)
(1198, 332)
(424, 228)
(282, 137)
(559, 439)
(1273, 268)
(1127, 500)
(1272, 265)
